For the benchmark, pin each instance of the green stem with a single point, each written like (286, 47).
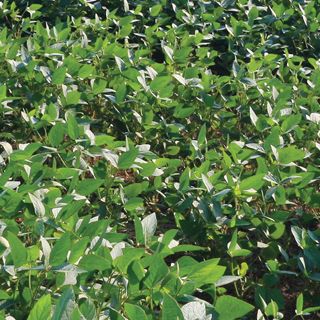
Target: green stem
(151, 299)
(235, 283)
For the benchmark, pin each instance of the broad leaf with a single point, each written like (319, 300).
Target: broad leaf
(42, 309)
(65, 305)
(231, 308)
(127, 159)
(18, 250)
(170, 309)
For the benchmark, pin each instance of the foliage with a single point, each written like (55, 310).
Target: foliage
(159, 160)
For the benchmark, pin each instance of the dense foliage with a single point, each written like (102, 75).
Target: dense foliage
(159, 159)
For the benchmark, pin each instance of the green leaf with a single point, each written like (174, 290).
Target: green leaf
(133, 203)
(103, 139)
(99, 86)
(71, 209)
(155, 10)
(115, 315)
(299, 304)
(184, 180)
(252, 15)
(290, 123)
(156, 273)
(88, 186)
(231, 308)
(18, 251)
(59, 75)
(60, 250)
(240, 253)
(121, 93)
(64, 306)
(138, 230)
(42, 309)
(160, 83)
(52, 113)
(298, 236)
(183, 112)
(35, 7)
(56, 134)
(4, 295)
(73, 97)
(202, 135)
(272, 309)
(76, 315)
(66, 173)
(19, 155)
(170, 309)
(85, 71)
(88, 310)
(127, 159)
(147, 169)
(280, 195)
(206, 272)
(129, 255)
(276, 230)
(227, 160)
(135, 275)
(306, 311)
(125, 30)
(78, 249)
(3, 92)
(72, 127)
(134, 312)
(134, 189)
(255, 182)
(93, 262)
(290, 154)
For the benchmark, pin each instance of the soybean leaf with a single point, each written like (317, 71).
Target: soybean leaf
(290, 154)
(299, 304)
(65, 305)
(85, 71)
(59, 251)
(93, 262)
(59, 75)
(127, 158)
(88, 186)
(18, 251)
(72, 127)
(157, 271)
(56, 134)
(170, 309)
(255, 182)
(231, 308)
(134, 312)
(206, 272)
(42, 309)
